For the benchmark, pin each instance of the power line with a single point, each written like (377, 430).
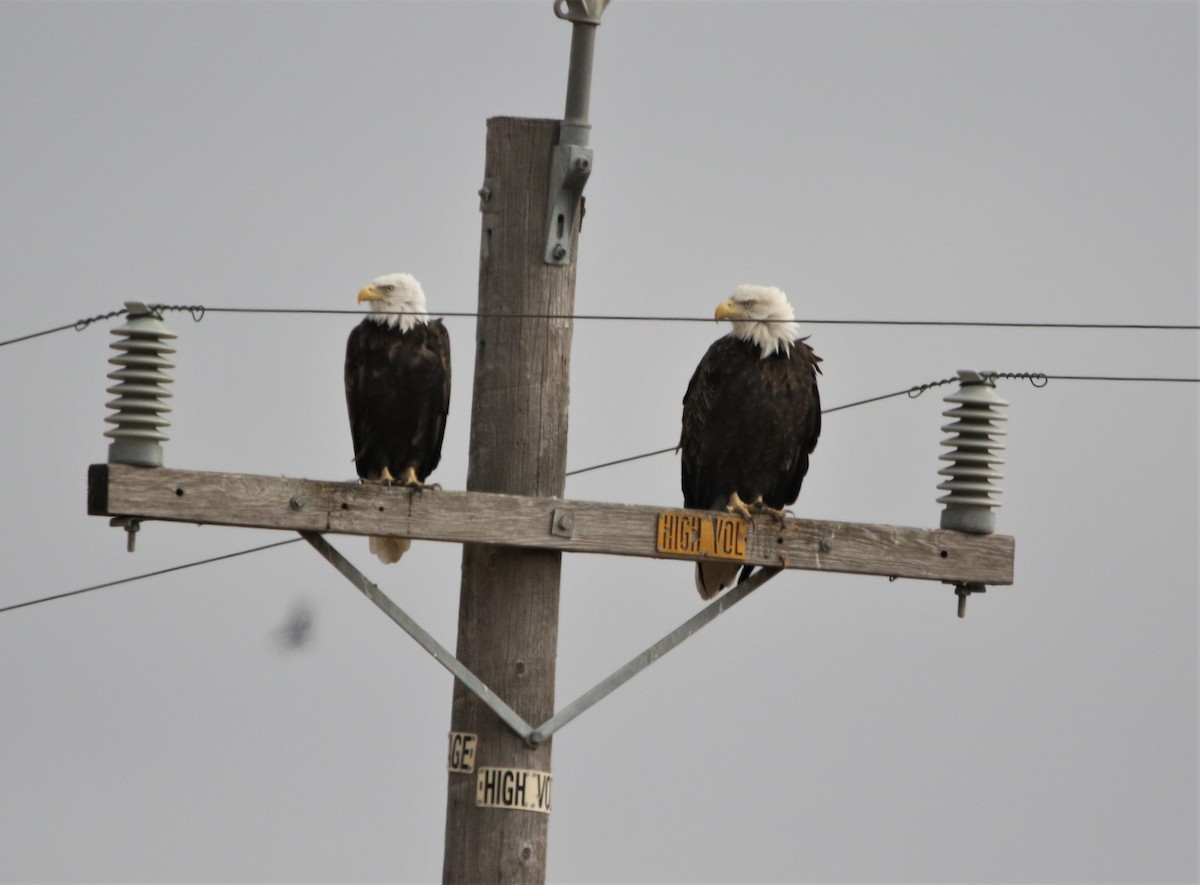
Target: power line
(164, 571)
(642, 318)
(911, 391)
(1123, 378)
(198, 313)
(1037, 379)
(78, 326)
(621, 461)
(37, 334)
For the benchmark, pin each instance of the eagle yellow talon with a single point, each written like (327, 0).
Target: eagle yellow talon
(385, 478)
(410, 480)
(759, 507)
(738, 506)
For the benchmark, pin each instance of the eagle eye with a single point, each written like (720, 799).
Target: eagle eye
(387, 287)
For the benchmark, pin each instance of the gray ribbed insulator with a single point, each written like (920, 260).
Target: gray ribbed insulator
(972, 483)
(141, 372)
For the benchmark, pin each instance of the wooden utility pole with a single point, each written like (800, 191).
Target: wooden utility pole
(508, 608)
(512, 520)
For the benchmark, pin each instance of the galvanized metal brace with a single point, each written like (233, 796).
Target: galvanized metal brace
(717, 607)
(417, 632)
(571, 163)
(529, 734)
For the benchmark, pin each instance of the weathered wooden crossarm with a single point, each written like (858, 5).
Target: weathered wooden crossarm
(305, 505)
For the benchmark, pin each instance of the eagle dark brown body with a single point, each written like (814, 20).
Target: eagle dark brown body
(749, 426)
(398, 396)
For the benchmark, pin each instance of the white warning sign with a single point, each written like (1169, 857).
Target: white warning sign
(462, 751)
(513, 788)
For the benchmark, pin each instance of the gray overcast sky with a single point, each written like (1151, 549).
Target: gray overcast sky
(969, 161)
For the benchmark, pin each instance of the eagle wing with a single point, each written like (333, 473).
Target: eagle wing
(807, 399)
(695, 465)
(363, 369)
(438, 345)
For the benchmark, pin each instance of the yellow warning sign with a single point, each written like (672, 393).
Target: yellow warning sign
(517, 788)
(716, 535)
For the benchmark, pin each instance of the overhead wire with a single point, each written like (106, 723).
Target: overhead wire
(132, 578)
(198, 312)
(1038, 379)
(38, 334)
(916, 390)
(650, 318)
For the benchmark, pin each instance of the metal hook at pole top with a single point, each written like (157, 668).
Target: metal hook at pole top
(585, 11)
(572, 160)
(584, 15)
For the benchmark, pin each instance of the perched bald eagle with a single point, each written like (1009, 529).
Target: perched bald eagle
(397, 390)
(751, 417)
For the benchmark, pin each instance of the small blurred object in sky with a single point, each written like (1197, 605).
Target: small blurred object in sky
(296, 631)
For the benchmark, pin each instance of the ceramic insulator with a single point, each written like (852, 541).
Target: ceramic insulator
(142, 370)
(972, 483)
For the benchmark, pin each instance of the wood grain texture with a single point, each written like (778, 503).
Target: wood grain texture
(508, 603)
(527, 522)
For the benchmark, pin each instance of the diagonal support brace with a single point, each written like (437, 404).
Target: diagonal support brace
(535, 736)
(717, 607)
(417, 632)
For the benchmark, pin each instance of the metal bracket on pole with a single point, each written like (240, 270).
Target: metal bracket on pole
(569, 170)
(534, 736)
(571, 163)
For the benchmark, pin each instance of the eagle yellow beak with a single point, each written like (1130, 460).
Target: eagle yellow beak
(369, 292)
(726, 310)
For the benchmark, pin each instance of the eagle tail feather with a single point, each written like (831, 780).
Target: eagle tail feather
(389, 550)
(713, 577)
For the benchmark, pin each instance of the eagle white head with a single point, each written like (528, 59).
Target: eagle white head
(395, 300)
(760, 314)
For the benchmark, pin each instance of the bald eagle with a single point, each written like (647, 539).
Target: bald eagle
(397, 390)
(751, 418)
